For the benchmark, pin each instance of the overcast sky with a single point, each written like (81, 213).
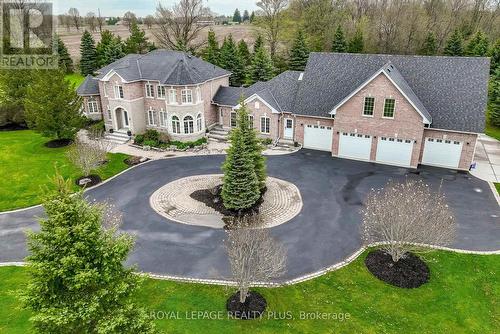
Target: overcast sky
(145, 7)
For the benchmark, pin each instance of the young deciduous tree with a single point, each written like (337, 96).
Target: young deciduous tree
(89, 154)
(356, 44)
(299, 52)
(454, 45)
(64, 59)
(262, 66)
(406, 215)
(78, 283)
(212, 53)
(240, 184)
(254, 255)
(52, 105)
(271, 18)
(339, 41)
(88, 60)
(74, 15)
(429, 48)
(14, 85)
(128, 19)
(478, 45)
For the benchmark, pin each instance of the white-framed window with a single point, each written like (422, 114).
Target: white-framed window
(187, 96)
(233, 119)
(151, 117)
(163, 119)
(389, 106)
(199, 123)
(188, 124)
(150, 90)
(176, 125)
(119, 92)
(265, 124)
(257, 105)
(172, 96)
(250, 121)
(104, 88)
(92, 105)
(369, 105)
(198, 94)
(109, 113)
(161, 92)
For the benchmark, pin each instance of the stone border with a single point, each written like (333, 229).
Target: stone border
(284, 205)
(293, 281)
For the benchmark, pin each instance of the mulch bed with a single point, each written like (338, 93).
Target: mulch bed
(409, 272)
(57, 143)
(94, 179)
(213, 199)
(13, 127)
(252, 308)
(134, 160)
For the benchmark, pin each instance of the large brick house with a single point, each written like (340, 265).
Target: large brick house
(397, 110)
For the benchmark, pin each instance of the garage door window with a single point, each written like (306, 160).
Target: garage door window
(369, 105)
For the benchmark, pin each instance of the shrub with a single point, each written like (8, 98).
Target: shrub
(139, 139)
(150, 143)
(266, 141)
(96, 130)
(152, 135)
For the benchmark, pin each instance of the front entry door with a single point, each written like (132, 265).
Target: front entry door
(125, 119)
(288, 132)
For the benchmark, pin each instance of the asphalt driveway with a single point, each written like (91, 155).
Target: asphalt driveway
(324, 233)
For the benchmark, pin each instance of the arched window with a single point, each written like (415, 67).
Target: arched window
(199, 124)
(188, 124)
(176, 125)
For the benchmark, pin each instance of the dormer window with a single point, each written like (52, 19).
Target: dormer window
(150, 90)
(118, 92)
(187, 96)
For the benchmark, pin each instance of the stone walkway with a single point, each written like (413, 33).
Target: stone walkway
(282, 202)
(487, 159)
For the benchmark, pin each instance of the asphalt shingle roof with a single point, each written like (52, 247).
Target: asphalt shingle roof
(279, 92)
(453, 90)
(166, 66)
(89, 86)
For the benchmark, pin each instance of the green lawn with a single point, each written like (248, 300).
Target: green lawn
(492, 131)
(75, 78)
(26, 165)
(463, 296)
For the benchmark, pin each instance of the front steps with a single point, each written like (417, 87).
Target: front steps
(218, 133)
(117, 137)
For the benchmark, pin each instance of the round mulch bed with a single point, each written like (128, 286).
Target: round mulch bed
(57, 143)
(88, 181)
(252, 308)
(409, 272)
(13, 127)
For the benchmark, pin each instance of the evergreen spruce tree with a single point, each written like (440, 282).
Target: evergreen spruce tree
(494, 99)
(478, 45)
(299, 52)
(357, 44)
(495, 57)
(212, 52)
(246, 16)
(114, 51)
(253, 145)
(339, 42)
(231, 61)
(252, 17)
(64, 60)
(237, 16)
(262, 67)
(77, 282)
(137, 41)
(244, 52)
(52, 106)
(259, 43)
(429, 48)
(106, 39)
(88, 60)
(240, 187)
(454, 45)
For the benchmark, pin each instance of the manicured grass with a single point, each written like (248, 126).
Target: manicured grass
(492, 131)
(75, 78)
(497, 185)
(462, 297)
(26, 167)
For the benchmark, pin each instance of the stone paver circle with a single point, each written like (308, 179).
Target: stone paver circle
(282, 201)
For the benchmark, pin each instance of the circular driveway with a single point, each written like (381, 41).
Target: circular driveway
(324, 233)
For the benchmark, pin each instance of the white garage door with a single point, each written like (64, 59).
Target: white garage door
(318, 137)
(394, 151)
(355, 146)
(442, 153)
